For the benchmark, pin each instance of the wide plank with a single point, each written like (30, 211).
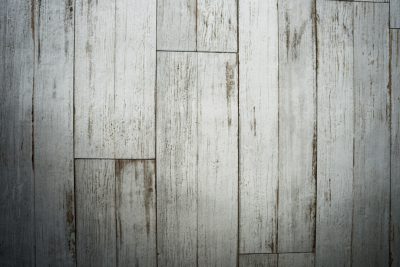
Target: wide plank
(394, 13)
(258, 260)
(296, 259)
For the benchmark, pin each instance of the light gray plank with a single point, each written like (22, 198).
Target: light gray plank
(395, 147)
(372, 136)
(395, 13)
(217, 25)
(217, 159)
(296, 259)
(297, 126)
(258, 55)
(177, 158)
(258, 260)
(176, 25)
(136, 212)
(53, 134)
(95, 208)
(335, 133)
(16, 169)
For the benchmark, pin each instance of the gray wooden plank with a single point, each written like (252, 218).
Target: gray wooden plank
(297, 126)
(217, 169)
(136, 212)
(335, 133)
(53, 134)
(394, 13)
(258, 260)
(16, 153)
(296, 259)
(372, 136)
(258, 44)
(217, 25)
(176, 25)
(395, 147)
(95, 211)
(177, 158)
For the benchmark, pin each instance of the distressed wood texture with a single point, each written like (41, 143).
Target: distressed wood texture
(16, 153)
(258, 260)
(335, 133)
(115, 79)
(95, 208)
(297, 126)
(296, 259)
(395, 147)
(258, 40)
(136, 212)
(372, 135)
(395, 13)
(53, 134)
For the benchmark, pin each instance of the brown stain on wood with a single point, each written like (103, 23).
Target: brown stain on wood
(70, 215)
(148, 194)
(230, 87)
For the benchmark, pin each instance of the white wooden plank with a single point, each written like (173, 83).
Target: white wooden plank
(176, 25)
(335, 133)
(217, 159)
(258, 56)
(297, 126)
(135, 72)
(95, 208)
(217, 25)
(395, 147)
(136, 213)
(16, 168)
(296, 259)
(177, 159)
(394, 13)
(53, 134)
(258, 260)
(372, 136)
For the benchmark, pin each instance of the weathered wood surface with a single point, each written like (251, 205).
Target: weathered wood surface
(394, 13)
(17, 241)
(258, 260)
(370, 244)
(297, 126)
(136, 212)
(335, 133)
(258, 41)
(296, 259)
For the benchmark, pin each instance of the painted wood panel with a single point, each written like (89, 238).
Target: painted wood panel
(136, 212)
(258, 260)
(394, 13)
(296, 259)
(258, 41)
(335, 133)
(370, 245)
(95, 208)
(297, 126)
(16, 149)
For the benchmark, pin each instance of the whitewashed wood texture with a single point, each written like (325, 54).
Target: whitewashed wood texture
(17, 241)
(394, 13)
(258, 260)
(335, 133)
(296, 259)
(297, 126)
(371, 188)
(258, 56)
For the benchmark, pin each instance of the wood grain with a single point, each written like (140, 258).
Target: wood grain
(258, 260)
(394, 13)
(296, 259)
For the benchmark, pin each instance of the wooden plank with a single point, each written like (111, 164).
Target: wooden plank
(258, 260)
(258, 125)
(95, 208)
(176, 25)
(16, 156)
(370, 245)
(217, 25)
(335, 133)
(394, 13)
(136, 212)
(53, 134)
(296, 259)
(395, 147)
(177, 158)
(217, 159)
(297, 126)
(135, 73)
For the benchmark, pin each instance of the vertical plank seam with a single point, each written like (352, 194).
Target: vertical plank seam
(116, 167)
(73, 138)
(276, 248)
(238, 133)
(113, 121)
(155, 134)
(390, 142)
(197, 158)
(196, 25)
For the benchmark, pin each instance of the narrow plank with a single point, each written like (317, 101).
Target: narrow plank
(217, 159)
(296, 259)
(394, 13)
(395, 147)
(177, 159)
(372, 136)
(258, 260)
(335, 133)
(16, 167)
(135, 73)
(136, 212)
(95, 208)
(297, 126)
(176, 25)
(53, 134)
(217, 25)
(258, 125)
